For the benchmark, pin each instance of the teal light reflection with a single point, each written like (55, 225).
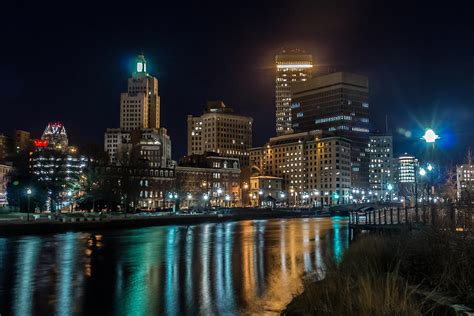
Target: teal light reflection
(229, 288)
(65, 264)
(338, 248)
(189, 251)
(171, 287)
(23, 291)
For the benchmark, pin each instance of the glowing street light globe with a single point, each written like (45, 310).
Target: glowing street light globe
(28, 191)
(422, 172)
(430, 136)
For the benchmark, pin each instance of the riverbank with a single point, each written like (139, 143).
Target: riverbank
(425, 272)
(88, 222)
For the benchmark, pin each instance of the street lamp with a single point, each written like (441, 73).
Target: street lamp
(28, 193)
(390, 188)
(69, 195)
(430, 136)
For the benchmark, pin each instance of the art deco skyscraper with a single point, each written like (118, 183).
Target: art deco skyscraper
(291, 66)
(140, 130)
(140, 105)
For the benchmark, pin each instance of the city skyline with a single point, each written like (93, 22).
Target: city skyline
(403, 85)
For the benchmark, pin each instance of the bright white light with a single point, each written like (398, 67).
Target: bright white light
(28, 191)
(430, 136)
(422, 172)
(260, 192)
(219, 191)
(282, 195)
(205, 197)
(390, 187)
(295, 66)
(227, 197)
(139, 67)
(430, 167)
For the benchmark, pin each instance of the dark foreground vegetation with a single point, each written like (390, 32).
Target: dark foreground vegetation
(422, 272)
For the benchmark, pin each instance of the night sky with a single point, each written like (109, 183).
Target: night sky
(69, 62)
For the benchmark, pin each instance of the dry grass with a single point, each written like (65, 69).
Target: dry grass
(375, 275)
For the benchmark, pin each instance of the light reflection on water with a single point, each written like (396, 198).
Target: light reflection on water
(247, 267)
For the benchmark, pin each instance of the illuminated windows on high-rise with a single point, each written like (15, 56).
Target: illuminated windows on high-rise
(291, 66)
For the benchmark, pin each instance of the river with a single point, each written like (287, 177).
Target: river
(244, 267)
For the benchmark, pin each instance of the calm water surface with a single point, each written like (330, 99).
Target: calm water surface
(247, 267)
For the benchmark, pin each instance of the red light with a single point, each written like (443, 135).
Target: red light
(41, 143)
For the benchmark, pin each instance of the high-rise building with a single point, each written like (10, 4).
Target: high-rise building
(315, 168)
(381, 171)
(407, 166)
(292, 66)
(140, 105)
(337, 103)
(140, 136)
(53, 160)
(465, 179)
(220, 130)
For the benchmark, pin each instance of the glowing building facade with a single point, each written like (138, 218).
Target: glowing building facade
(315, 167)
(292, 66)
(53, 160)
(465, 180)
(220, 130)
(139, 130)
(337, 103)
(381, 170)
(407, 166)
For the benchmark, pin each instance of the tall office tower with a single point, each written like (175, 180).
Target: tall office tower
(407, 166)
(337, 103)
(220, 130)
(140, 137)
(140, 105)
(291, 66)
(381, 173)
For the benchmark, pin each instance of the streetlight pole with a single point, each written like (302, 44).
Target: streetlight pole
(28, 193)
(431, 137)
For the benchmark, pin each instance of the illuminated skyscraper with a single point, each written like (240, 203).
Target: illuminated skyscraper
(337, 103)
(291, 66)
(140, 105)
(381, 171)
(140, 130)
